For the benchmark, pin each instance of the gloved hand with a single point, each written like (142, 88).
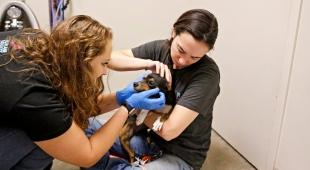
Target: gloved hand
(122, 95)
(141, 100)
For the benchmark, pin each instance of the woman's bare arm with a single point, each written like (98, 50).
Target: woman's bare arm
(179, 119)
(75, 148)
(124, 60)
(108, 102)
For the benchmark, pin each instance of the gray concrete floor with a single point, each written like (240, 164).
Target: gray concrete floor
(221, 156)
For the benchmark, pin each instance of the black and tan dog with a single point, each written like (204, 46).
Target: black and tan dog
(133, 124)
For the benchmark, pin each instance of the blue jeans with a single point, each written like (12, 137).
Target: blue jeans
(18, 152)
(142, 148)
(94, 125)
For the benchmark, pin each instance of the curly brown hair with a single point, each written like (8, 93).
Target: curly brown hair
(64, 58)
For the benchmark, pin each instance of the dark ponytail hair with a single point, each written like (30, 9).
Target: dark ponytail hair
(200, 23)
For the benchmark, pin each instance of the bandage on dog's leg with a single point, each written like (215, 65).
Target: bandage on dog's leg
(141, 117)
(157, 125)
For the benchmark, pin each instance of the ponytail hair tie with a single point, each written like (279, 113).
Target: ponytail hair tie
(13, 44)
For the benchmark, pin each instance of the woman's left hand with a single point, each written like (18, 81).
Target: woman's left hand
(161, 69)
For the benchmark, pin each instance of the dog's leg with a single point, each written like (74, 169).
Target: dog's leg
(165, 112)
(125, 135)
(164, 117)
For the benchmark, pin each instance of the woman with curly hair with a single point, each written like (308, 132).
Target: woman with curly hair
(50, 85)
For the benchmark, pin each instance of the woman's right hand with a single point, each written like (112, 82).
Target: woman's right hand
(141, 100)
(161, 69)
(124, 94)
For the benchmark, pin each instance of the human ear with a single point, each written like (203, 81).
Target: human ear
(173, 33)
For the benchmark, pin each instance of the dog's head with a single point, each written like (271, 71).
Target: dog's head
(152, 81)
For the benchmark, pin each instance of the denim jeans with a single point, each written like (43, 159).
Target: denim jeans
(18, 152)
(94, 125)
(142, 148)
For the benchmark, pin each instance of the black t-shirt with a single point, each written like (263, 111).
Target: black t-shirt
(196, 88)
(28, 101)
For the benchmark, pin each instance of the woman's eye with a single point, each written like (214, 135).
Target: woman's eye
(104, 64)
(180, 51)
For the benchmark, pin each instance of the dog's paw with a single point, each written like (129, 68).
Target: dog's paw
(137, 162)
(140, 118)
(157, 125)
(140, 161)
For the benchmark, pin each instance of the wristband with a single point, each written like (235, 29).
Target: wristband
(129, 108)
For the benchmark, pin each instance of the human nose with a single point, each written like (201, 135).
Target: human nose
(182, 60)
(104, 71)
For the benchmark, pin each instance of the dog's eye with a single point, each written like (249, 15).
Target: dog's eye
(151, 83)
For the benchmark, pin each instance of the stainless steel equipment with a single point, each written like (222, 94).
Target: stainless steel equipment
(16, 15)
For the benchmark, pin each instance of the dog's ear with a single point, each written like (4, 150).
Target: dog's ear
(162, 84)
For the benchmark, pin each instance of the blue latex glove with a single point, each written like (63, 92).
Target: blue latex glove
(141, 100)
(122, 95)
